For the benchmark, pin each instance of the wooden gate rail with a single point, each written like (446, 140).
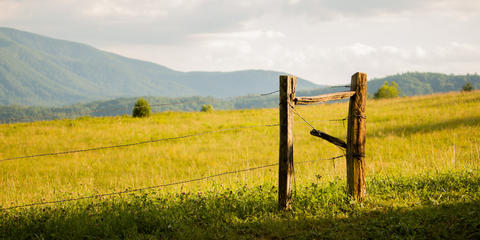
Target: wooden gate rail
(323, 98)
(355, 145)
(328, 138)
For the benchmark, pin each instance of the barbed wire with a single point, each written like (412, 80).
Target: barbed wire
(340, 86)
(134, 144)
(196, 100)
(158, 140)
(62, 112)
(314, 129)
(338, 120)
(300, 116)
(311, 125)
(159, 186)
(270, 93)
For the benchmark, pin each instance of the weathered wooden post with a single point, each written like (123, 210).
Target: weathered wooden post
(288, 86)
(356, 137)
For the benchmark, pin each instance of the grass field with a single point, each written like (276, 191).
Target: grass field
(422, 159)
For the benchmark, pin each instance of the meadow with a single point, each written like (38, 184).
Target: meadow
(422, 159)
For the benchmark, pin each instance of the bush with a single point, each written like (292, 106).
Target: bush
(141, 108)
(207, 108)
(467, 87)
(387, 91)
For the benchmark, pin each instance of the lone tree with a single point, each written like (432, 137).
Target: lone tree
(207, 108)
(387, 91)
(467, 87)
(141, 108)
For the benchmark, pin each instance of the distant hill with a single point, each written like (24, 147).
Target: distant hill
(42, 71)
(50, 77)
(417, 83)
(410, 84)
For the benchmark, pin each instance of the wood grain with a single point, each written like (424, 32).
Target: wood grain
(356, 138)
(323, 98)
(287, 94)
(328, 138)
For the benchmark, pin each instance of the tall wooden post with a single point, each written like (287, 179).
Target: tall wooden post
(288, 86)
(356, 137)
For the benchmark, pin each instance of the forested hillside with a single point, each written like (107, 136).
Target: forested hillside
(417, 83)
(43, 78)
(410, 84)
(37, 70)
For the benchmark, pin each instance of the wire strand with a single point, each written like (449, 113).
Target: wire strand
(122, 109)
(340, 86)
(133, 144)
(157, 186)
(270, 93)
(296, 113)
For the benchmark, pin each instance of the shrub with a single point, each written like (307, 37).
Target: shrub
(387, 91)
(467, 87)
(207, 108)
(141, 108)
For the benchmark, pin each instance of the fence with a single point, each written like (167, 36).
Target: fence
(355, 143)
(119, 107)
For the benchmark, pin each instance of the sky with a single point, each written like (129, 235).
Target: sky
(324, 41)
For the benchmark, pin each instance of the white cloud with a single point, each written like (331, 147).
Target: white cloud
(10, 10)
(360, 49)
(293, 2)
(116, 9)
(246, 35)
(322, 40)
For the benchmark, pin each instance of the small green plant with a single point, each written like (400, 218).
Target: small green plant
(141, 108)
(207, 108)
(467, 87)
(387, 91)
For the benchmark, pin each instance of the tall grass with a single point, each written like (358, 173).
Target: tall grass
(405, 137)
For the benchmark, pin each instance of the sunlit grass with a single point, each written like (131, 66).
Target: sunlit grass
(405, 137)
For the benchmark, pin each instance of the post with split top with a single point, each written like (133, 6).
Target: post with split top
(287, 95)
(356, 137)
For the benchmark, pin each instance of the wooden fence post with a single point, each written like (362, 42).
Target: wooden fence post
(356, 137)
(288, 86)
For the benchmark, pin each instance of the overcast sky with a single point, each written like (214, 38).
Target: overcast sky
(324, 41)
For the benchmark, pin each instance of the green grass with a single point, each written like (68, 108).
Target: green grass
(426, 207)
(422, 175)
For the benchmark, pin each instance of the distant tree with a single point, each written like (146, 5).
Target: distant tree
(141, 108)
(387, 91)
(207, 108)
(467, 87)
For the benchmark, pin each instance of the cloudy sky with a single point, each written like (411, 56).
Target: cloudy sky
(324, 41)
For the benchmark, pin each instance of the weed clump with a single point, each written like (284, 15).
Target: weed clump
(207, 108)
(467, 87)
(141, 108)
(387, 91)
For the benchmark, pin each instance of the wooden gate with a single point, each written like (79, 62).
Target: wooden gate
(355, 145)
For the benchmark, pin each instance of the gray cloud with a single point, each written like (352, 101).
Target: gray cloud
(317, 39)
(130, 21)
(167, 22)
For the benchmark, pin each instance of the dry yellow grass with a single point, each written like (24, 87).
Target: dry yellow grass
(405, 136)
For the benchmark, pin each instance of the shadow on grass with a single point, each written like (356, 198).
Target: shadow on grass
(426, 127)
(446, 221)
(319, 212)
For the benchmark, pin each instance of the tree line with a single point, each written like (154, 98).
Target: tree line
(406, 84)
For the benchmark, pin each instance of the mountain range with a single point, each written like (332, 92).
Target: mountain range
(42, 71)
(44, 78)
